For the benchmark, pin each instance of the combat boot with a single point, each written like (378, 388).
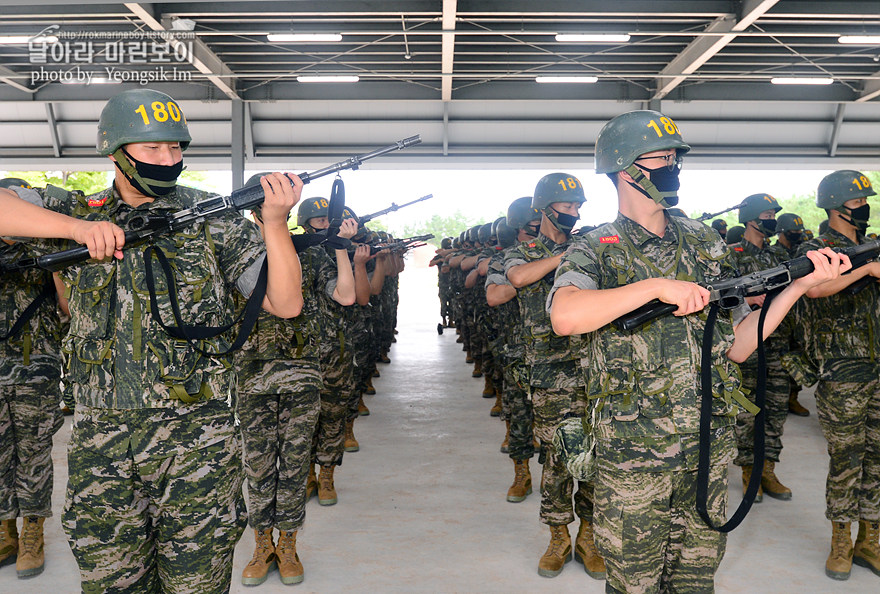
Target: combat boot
(478, 367)
(376, 372)
(488, 387)
(370, 389)
(257, 571)
(867, 549)
(585, 552)
(326, 490)
(351, 444)
(30, 560)
(795, 407)
(496, 409)
(839, 562)
(522, 482)
(505, 445)
(384, 357)
(558, 552)
(747, 476)
(311, 483)
(289, 566)
(8, 542)
(468, 358)
(362, 408)
(771, 484)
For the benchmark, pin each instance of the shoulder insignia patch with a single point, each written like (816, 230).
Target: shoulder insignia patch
(737, 249)
(95, 202)
(610, 239)
(533, 244)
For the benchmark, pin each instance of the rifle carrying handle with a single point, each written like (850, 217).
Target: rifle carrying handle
(649, 311)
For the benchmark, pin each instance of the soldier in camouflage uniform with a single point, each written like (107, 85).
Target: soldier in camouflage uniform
(556, 385)
(279, 380)
(443, 281)
(154, 499)
(523, 222)
(843, 339)
(643, 383)
(758, 214)
(483, 317)
(30, 369)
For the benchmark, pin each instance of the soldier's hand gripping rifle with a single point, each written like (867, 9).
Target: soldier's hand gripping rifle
(732, 292)
(142, 227)
(367, 218)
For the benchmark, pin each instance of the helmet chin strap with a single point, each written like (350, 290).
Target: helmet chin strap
(643, 184)
(554, 219)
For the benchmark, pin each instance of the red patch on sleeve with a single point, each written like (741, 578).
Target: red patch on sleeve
(737, 249)
(533, 245)
(94, 202)
(610, 239)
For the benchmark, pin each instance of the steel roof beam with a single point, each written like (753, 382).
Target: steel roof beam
(448, 52)
(53, 129)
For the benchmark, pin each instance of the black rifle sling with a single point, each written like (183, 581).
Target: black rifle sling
(706, 424)
(191, 334)
(30, 310)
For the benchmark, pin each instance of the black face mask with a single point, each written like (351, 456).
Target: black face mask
(794, 238)
(564, 221)
(662, 185)
(532, 230)
(149, 179)
(766, 226)
(859, 217)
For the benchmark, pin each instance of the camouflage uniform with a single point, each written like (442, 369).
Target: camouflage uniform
(515, 396)
(30, 368)
(748, 259)
(154, 496)
(646, 412)
(556, 386)
(279, 378)
(843, 339)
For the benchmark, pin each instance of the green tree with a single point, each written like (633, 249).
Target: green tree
(87, 182)
(440, 227)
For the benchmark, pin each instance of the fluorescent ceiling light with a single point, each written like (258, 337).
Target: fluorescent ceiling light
(566, 79)
(327, 79)
(592, 37)
(23, 39)
(788, 80)
(860, 39)
(303, 37)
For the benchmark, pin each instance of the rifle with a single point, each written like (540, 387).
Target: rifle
(732, 293)
(143, 227)
(367, 218)
(401, 245)
(711, 215)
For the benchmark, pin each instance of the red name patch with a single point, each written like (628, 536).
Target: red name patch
(610, 239)
(95, 202)
(533, 245)
(739, 249)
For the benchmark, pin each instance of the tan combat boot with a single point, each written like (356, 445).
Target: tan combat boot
(505, 445)
(557, 554)
(351, 444)
(478, 367)
(771, 484)
(30, 560)
(362, 408)
(522, 482)
(867, 549)
(839, 562)
(370, 389)
(488, 387)
(795, 407)
(8, 542)
(263, 561)
(585, 552)
(311, 482)
(326, 490)
(384, 357)
(289, 566)
(496, 409)
(747, 476)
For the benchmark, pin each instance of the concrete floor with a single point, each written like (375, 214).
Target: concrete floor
(422, 506)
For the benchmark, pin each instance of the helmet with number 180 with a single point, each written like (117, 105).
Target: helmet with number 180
(630, 135)
(140, 115)
(311, 208)
(841, 186)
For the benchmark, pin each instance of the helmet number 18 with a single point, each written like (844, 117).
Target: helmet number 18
(668, 125)
(161, 112)
(568, 183)
(866, 183)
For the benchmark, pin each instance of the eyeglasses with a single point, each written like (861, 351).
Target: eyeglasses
(673, 160)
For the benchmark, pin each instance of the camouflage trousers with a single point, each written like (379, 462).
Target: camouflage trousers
(849, 413)
(29, 417)
(163, 525)
(337, 368)
(775, 412)
(551, 406)
(277, 430)
(521, 444)
(648, 530)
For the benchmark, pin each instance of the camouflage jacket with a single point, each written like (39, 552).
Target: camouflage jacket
(507, 316)
(119, 356)
(647, 381)
(33, 355)
(336, 320)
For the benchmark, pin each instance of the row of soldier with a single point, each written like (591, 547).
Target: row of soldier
(543, 363)
(154, 499)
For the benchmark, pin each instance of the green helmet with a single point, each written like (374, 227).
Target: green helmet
(719, 225)
(456, 242)
(557, 187)
(140, 115)
(462, 237)
(520, 213)
(446, 243)
(630, 135)
(484, 233)
(734, 234)
(789, 222)
(14, 182)
(473, 234)
(311, 208)
(840, 186)
(505, 233)
(752, 207)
